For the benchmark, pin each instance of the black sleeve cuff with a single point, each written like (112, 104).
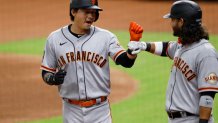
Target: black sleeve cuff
(48, 77)
(124, 60)
(209, 93)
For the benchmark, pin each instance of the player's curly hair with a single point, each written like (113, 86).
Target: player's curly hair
(193, 33)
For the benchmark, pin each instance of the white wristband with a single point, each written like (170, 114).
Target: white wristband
(206, 101)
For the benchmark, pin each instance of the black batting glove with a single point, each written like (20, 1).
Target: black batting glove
(59, 77)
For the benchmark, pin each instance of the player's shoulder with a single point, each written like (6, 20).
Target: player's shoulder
(174, 44)
(56, 33)
(104, 31)
(206, 46)
(206, 49)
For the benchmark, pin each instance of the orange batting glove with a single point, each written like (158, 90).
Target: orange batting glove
(135, 31)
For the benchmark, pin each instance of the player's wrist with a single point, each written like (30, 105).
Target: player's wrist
(129, 52)
(203, 121)
(143, 46)
(134, 39)
(130, 55)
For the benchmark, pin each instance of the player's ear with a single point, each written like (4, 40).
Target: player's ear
(180, 22)
(73, 11)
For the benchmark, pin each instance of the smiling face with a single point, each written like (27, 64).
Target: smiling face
(83, 19)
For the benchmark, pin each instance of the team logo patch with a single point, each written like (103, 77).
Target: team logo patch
(212, 79)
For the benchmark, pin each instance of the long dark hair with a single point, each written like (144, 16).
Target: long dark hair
(193, 33)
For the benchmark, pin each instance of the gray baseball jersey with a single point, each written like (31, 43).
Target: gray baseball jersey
(194, 70)
(85, 60)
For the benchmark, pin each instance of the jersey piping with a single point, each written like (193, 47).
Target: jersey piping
(83, 62)
(171, 102)
(74, 61)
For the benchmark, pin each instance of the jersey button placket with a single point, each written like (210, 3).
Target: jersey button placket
(82, 91)
(81, 81)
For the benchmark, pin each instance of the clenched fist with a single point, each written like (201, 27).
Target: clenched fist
(135, 31)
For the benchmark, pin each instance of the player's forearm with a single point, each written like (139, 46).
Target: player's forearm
(48, 77)
(157, 48)
(131, 56)
(126, 60)
(206, 106)
(205, 114)
(54, 79)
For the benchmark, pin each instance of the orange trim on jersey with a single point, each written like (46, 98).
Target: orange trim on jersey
(49, 69)
(208, 88)
(117, 54)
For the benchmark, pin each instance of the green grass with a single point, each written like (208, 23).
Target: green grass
(31, 47)
(147, 106)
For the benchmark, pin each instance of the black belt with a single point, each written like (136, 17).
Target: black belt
(179, 114)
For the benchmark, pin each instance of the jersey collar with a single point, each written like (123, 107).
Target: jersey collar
(195, 44)
(73, 38)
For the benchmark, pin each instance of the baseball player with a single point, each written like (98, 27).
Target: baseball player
(76, 59)
(193, 82)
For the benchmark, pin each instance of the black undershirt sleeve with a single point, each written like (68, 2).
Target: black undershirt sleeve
(209, 93)
(43, 73)
(124, 60)
(49, 78)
